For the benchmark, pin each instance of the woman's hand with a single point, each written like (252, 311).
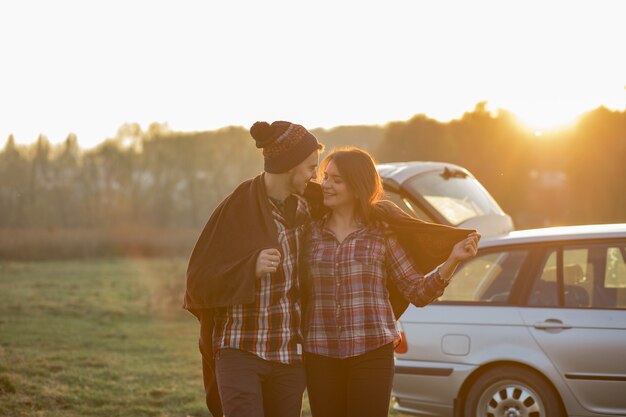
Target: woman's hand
(267, 262)
(462, 251)
(465, 249)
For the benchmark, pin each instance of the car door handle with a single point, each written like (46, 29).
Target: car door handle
(551, 324)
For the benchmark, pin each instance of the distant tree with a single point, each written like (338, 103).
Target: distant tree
(66, 190)
(130, 135)
(13, 185)
(40, 184)
(596, 154)
(366, 137)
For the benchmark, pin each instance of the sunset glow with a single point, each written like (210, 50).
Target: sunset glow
(546, 119)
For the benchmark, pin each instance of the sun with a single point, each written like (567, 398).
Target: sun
(546, 118)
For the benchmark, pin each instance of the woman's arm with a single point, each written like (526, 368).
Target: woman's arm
(421, 289)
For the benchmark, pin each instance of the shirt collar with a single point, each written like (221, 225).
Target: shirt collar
(363, 227)
(279, 206)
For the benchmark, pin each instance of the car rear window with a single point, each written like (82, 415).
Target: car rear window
(454, 194)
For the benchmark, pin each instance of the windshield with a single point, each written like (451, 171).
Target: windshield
(453, 193)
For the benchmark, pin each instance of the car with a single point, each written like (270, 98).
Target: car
(443, 193)
(534, 325)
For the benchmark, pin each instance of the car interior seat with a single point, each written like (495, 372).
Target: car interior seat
(545, 290)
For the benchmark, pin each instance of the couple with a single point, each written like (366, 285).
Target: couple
(297, 285)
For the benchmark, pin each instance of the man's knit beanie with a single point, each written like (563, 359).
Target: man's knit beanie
(285, 145)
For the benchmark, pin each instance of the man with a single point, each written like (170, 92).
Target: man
(242, 280)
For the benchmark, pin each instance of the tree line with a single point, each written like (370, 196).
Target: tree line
(164, 179)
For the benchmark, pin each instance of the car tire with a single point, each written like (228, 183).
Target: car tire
(512, 391)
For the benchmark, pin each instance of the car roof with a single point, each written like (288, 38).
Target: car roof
(552, 234)
(402, 171)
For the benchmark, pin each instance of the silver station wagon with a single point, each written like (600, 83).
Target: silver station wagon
(534, 325)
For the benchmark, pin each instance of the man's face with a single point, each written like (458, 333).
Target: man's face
(300, 175)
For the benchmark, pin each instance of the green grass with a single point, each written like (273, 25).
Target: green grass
(98, 338)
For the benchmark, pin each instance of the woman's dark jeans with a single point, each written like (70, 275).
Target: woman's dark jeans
(359, 386)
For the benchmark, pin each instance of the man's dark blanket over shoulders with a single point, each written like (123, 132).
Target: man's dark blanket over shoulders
(221, 269)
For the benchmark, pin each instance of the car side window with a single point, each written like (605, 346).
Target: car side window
(487, 278)
(591, 276)
(614, 288)
(544, 292)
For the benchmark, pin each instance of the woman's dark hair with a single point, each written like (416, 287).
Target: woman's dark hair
(358, 169)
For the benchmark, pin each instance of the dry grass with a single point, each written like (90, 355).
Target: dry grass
(52, 243)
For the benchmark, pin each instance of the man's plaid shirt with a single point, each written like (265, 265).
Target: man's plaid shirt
(348, 309)
(270, 327)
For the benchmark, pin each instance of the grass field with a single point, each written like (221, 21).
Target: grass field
(103, 337)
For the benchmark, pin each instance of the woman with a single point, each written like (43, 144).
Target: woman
(353, 254)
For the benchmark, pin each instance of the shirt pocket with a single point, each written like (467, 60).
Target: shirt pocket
(368, 251)
(319, 258)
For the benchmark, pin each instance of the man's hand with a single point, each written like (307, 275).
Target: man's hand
(267, 262)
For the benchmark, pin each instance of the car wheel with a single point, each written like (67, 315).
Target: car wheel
(511, 391)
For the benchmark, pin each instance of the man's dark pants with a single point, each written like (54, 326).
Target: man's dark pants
(253, 387)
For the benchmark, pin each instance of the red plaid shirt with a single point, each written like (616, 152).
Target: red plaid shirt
(348, 309)
(270, 327)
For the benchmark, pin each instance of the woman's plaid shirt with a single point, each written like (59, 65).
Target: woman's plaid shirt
(270, 327)
(348, 309)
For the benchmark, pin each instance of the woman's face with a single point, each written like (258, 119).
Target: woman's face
(336, 192)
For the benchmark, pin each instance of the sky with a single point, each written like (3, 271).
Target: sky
(88, 67)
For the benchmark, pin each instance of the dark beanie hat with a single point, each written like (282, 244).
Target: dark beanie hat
(285, 145)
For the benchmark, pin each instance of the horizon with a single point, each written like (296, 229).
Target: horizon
(532, 131)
